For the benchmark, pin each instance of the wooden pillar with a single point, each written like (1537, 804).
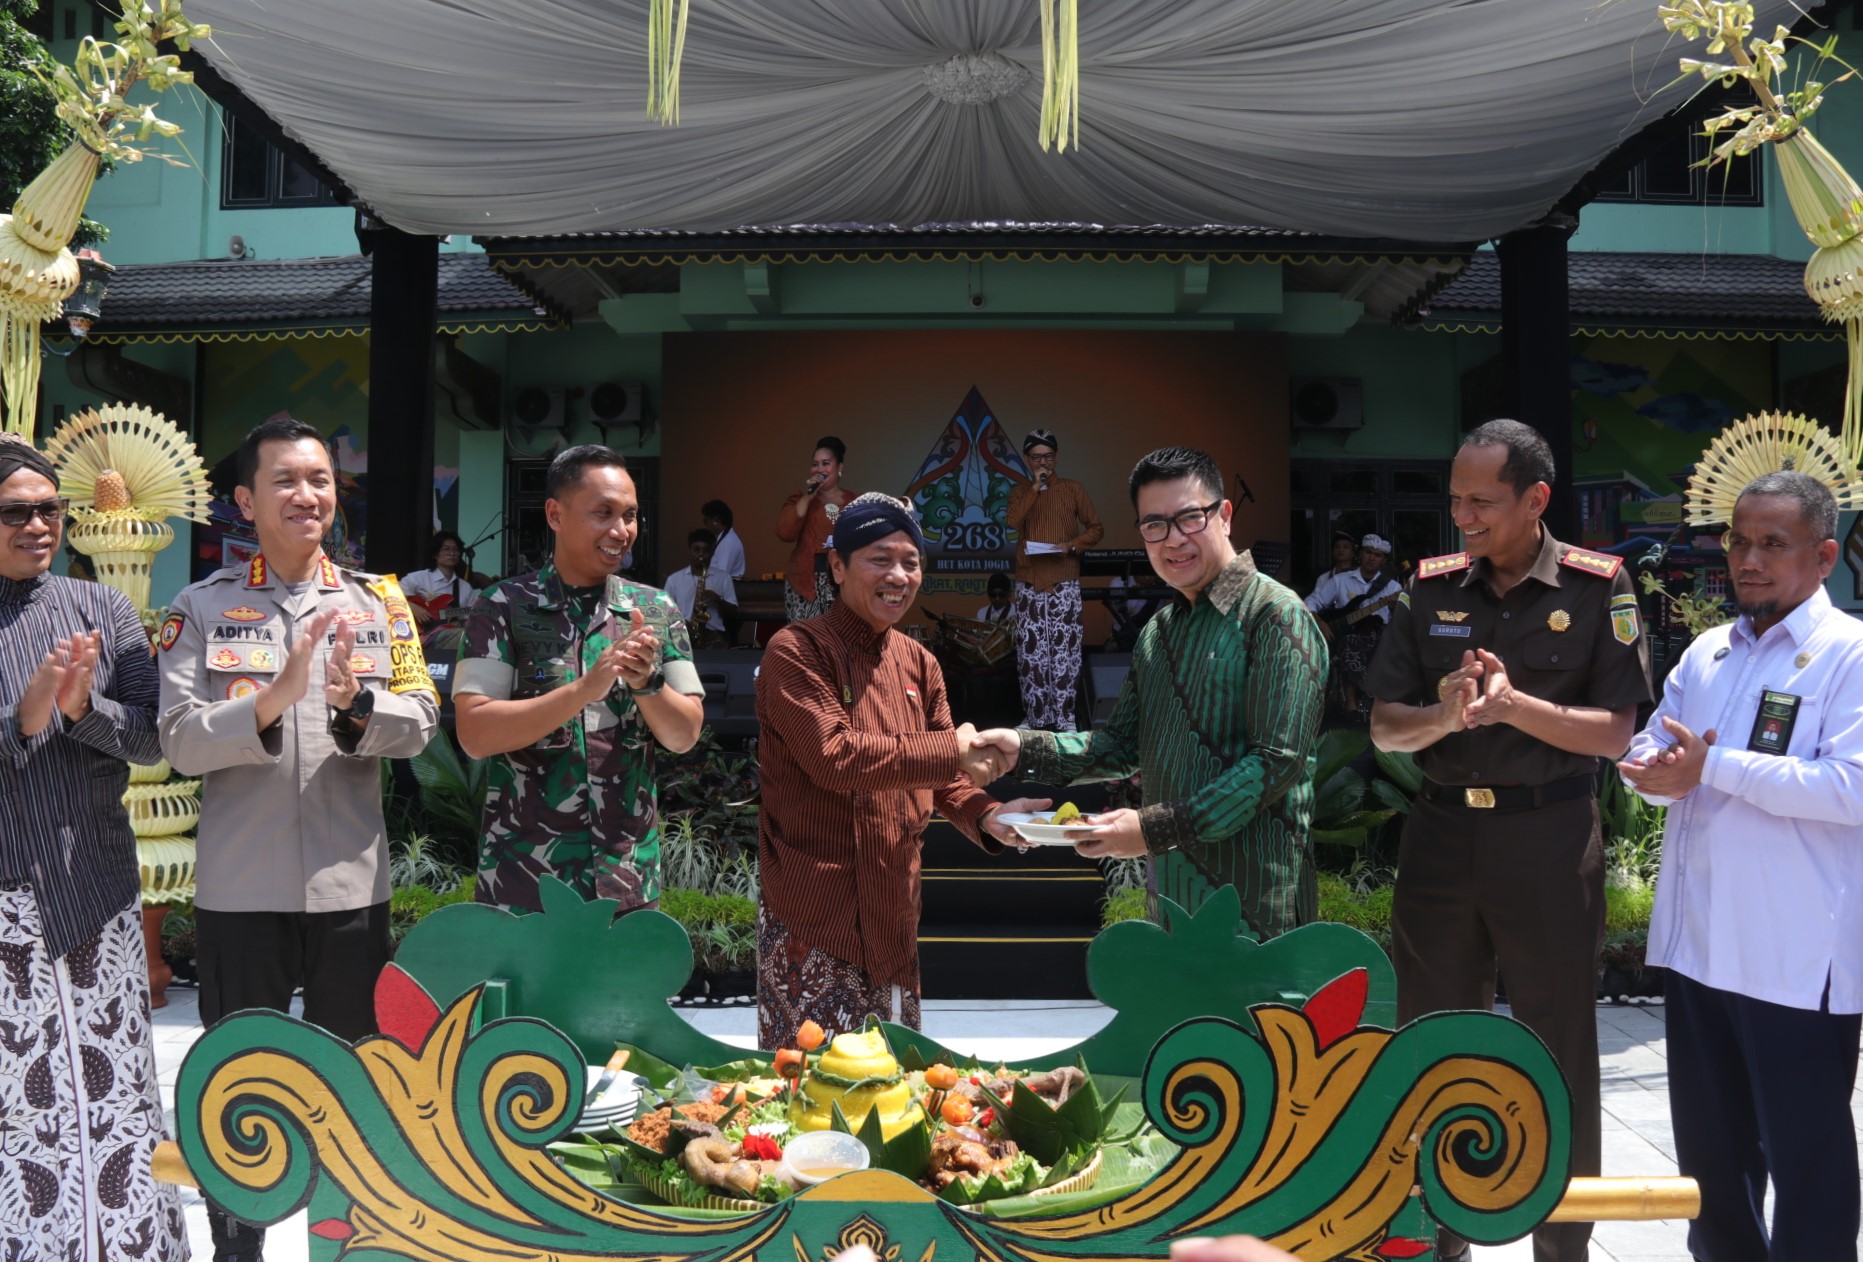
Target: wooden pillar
(401, 319)
(1536, 349)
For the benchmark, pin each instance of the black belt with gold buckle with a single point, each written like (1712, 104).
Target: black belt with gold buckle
(1523, 797)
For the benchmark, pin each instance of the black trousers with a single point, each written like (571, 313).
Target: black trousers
(256, 959)
(1760, 1091)
(1523, 890)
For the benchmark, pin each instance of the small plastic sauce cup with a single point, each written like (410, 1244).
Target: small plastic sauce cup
(816, 1156)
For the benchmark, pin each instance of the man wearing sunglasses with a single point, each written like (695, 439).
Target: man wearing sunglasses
(285, 682)
(1220, 715)
(77, 703)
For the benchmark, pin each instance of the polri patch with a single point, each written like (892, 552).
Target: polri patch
(1626, 622)
(241, 687)
(171, 630)
(245, 613)
(357, 617)
(225, 659)
(362, 664)
(262, 659)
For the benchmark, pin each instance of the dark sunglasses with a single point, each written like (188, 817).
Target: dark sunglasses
(51, 512)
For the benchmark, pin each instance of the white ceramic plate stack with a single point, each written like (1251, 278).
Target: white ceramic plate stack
(615, 1106)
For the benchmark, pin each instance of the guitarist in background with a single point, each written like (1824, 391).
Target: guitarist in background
(1353, 608)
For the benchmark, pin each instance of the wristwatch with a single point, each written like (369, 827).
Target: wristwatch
(360, 707)
(655, 682)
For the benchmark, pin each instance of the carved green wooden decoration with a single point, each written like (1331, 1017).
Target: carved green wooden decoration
(597, 979)
(1296, 1122)
(603, 981)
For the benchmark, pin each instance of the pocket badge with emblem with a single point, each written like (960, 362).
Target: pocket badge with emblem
(262, 659)
(241, 687)
(171, 630)
(225, 659)
(1559, 620)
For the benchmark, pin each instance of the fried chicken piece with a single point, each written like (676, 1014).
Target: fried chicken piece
(953, 1157)
(717, 1163)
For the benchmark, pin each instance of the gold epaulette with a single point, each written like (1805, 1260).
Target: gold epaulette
(1599, 563)
(1436, 567)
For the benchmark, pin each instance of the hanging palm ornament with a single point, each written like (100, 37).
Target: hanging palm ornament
(37, 269)
(1060, 64)
(1826, 201)
(1768, 442)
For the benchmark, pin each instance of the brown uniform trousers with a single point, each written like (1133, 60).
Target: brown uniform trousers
(1501, 862)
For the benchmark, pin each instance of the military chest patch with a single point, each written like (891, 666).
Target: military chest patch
(357, 617)
(1437, 566)
(1599, 563)
(1626, 623)
(262, 659)
(225, 659)
(362, 664)
(1452, 615)
(245, 613)
(171, 631)
(241, 687)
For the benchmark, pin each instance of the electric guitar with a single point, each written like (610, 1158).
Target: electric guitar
(1356, 610)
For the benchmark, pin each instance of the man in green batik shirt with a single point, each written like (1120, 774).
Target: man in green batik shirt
(567, 680)
(1220, 715)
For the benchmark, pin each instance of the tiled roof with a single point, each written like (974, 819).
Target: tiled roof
(1754, 291)
(941, 229)
(210, 292)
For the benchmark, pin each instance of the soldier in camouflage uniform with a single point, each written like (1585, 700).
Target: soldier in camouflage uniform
(570, 677)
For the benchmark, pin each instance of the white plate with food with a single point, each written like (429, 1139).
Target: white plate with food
(1041, 830)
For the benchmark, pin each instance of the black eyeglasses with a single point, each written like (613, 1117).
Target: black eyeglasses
(1191, 521)
(51, 512)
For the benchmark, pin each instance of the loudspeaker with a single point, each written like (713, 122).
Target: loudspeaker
(730, 679)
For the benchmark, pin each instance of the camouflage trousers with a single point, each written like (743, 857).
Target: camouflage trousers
(79, 1093)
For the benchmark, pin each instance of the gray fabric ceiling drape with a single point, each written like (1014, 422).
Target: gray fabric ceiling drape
(1421, 120)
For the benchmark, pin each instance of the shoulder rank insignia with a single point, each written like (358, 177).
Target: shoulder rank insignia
(1436, 567)
(1592, 562)
(255, 570)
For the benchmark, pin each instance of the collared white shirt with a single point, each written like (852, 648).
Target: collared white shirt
(683, 587)
(1335, 591)
(1761, 889)
(728, 555)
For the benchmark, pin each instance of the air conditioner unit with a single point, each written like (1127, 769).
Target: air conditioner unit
(616, 403)
(536, 408)
(1328, 403)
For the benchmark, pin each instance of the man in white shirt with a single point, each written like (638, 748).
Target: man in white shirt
(1364, 586)
(703, 583)
(728, 551)
(1757, 750)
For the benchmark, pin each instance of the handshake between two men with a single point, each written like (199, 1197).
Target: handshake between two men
(991, 754)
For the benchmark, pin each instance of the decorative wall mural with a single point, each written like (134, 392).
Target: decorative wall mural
(962, 491)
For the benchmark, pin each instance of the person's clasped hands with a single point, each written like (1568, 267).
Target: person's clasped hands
(62, 681)
(1675, 770)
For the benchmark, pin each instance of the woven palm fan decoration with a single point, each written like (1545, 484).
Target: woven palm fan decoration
(1826, 201)
(1768, 442)
(127, 470)
(37, 269)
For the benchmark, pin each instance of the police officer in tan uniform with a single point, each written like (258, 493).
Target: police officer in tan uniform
(285, 681)
(1509, 670)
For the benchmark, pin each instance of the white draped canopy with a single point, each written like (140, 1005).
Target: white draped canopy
(1417, 120)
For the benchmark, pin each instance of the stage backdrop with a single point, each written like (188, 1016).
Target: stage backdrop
(941, 414)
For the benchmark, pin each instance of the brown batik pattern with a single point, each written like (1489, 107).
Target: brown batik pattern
(80, 1110)
(1048, 641)
(797, 983)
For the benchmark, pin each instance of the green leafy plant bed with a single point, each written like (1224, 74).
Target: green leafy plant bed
(987, 1139)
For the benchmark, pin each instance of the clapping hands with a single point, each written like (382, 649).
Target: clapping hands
(1674, 771)
(62, 680)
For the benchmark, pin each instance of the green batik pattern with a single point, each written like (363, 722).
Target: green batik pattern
(581, 803)
(1221, 714)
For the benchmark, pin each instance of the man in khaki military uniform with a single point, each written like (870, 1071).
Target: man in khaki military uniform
(1509, 670)
(285, 682)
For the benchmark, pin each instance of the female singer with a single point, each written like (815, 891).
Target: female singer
(807, 520)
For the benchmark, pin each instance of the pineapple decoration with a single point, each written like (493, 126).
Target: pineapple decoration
(37, 269)
(126, 470)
